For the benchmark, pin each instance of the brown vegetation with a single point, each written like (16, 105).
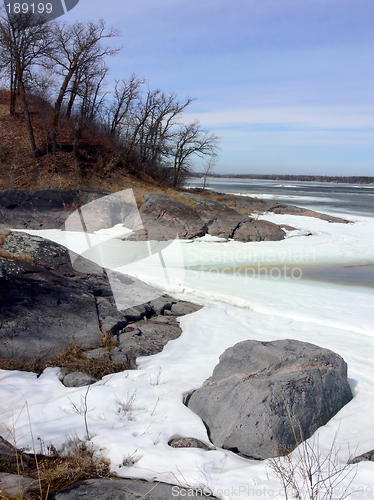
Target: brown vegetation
(72, 359)
(55, 470)
(100, 167)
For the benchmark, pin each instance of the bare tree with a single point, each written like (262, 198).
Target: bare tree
(24, 41)
(149, 122)
(125, 95)
(76, 47)
(208, 169)
(192, 140)
(160, 124)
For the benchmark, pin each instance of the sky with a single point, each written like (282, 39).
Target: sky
(287, 85)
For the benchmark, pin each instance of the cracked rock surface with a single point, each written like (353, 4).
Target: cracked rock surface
(46, 305)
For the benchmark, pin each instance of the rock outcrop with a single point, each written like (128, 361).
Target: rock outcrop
(191, 216)
(248, 203)
(46, 209)
(263, 394)
(46, 305)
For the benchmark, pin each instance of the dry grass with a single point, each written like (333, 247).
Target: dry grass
(54, 471)
(36, 365)
(72, 359)
(108, 341)
(58, 471)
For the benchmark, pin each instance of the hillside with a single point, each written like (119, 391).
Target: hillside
(99, 166)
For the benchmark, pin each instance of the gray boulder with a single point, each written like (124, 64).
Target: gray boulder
(188, 442)
(258, 230)
(78, 379)
(262, 394)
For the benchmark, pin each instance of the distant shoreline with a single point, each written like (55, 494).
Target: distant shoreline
(305, 178)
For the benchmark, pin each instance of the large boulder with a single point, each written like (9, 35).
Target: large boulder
(266, 397)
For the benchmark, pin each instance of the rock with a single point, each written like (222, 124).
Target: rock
(147, 337)
(43, 252)
(10, 455)
(137, 313)
(183, 307)
(42, 312)
(365, 457)
(220, 219)
(46, 209)
(161, 304)
(48, 305)
(260, 393)
(255, 205)
(258, 230)
(187, 442)
(99, 353)
(16, 485)
(111, 320)
(127, 489)
(78, 379)
(127, 358)
(165, 218)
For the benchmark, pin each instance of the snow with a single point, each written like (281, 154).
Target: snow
(133, 415)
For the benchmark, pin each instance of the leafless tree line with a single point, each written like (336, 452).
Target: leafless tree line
(67, 63)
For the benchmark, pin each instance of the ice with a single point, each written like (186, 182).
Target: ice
(132, 415)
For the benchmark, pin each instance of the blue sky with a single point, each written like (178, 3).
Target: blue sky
(288, 85)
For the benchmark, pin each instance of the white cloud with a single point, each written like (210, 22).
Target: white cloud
(304, 117)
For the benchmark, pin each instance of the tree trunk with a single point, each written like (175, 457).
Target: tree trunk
(26, 113)
(77, 136)
(13, 91)
(57, 109)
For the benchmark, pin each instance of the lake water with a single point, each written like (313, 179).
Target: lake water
(321, 196)
(350, 199)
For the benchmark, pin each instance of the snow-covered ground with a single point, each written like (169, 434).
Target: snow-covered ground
(132, 415)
